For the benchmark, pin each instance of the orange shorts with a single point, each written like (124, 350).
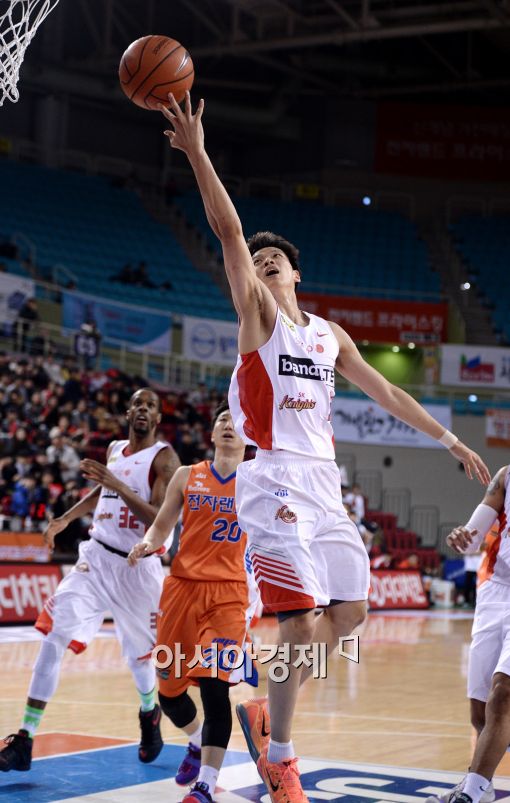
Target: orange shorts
(205, 618)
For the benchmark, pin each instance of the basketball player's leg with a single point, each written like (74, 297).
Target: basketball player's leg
(134, 597)
(76, 616)
(337, 621)
(221, 637)
(177, 628)
(486, 655)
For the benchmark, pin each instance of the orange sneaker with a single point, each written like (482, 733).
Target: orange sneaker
(282, 780)
(253, 717)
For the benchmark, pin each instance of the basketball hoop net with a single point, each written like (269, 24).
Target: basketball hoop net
(17, 29)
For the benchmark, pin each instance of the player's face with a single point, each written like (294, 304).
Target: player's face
(143, 414)
(224, 434)
(273, 267)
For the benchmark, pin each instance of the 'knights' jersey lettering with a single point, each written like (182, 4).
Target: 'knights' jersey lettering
(280, 395)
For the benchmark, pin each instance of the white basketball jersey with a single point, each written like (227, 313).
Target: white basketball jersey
(113, 523)
(280, 395)
(496, 564)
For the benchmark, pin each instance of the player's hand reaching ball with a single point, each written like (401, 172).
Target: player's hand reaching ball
(188, 133)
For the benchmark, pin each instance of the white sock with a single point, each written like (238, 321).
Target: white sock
(280, 751)
(208, 775)
(196, 737)
(474, 786)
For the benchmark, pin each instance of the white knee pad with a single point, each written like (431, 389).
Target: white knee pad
(144, 673)
(46, 672)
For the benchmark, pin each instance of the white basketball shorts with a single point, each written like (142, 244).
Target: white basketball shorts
(304, 549)
(102, 582)
(489, 651)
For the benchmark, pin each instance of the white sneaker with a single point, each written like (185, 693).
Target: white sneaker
(489, 796)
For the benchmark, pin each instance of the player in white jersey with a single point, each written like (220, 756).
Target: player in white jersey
(129, 492)
(305, 550)
(488, 685)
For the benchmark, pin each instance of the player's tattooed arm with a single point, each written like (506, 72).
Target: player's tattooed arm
(495, 493)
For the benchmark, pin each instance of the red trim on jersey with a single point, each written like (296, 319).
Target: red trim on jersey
(256, 399)
(127, 451)
(275, 598)
(264, 567)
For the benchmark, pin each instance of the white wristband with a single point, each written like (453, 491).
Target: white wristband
(448, 439)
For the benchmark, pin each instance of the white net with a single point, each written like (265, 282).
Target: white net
(19, 20)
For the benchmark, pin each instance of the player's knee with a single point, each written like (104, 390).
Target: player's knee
(477, 709)
(180, 710)
(217, 712)
(298, 629)
(499, 698)
(347, 615)
(50, 656)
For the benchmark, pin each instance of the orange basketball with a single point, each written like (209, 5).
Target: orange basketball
(152, 67)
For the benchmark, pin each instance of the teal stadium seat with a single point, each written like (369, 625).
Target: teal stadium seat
(94, 228)
(347, 251)
(484, 245)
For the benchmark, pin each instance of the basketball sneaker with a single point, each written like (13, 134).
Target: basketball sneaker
(253, 716)
(151, 743)
(199, 792)
(282, 780)
(489, 796)
(189, 766)
(17, 755)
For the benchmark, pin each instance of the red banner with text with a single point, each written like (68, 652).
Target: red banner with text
(24, 588)
(380, 320)
(394, 589)
(451, 142)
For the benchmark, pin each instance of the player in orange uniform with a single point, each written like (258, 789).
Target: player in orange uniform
(204, 604)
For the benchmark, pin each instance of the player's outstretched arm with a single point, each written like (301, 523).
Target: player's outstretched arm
(81, 508)
(468, 538)
(166, 518)
(396, 401)
(250, 296)
(165, 465)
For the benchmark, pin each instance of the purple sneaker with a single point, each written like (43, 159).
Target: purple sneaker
(189, 767)
(199, 794)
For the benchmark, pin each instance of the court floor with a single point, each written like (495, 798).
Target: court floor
(393, 727)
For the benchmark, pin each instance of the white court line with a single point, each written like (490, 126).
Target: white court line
(395, 718)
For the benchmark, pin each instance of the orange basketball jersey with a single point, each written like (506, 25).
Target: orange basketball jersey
(212, 545)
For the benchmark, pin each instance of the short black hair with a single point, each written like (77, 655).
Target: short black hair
(221, 408)
(267, 239)
(149, 390)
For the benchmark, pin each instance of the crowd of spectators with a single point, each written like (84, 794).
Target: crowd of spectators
(53, 414)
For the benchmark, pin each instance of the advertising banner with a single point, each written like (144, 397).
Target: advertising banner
(393, 589)
(143, 328)
(443, 141)
(480, 366)
(497, 428)
(14, 291)
(364, 421)
(23, 546)
(382, 320)
(24, 589)
(209, 340)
